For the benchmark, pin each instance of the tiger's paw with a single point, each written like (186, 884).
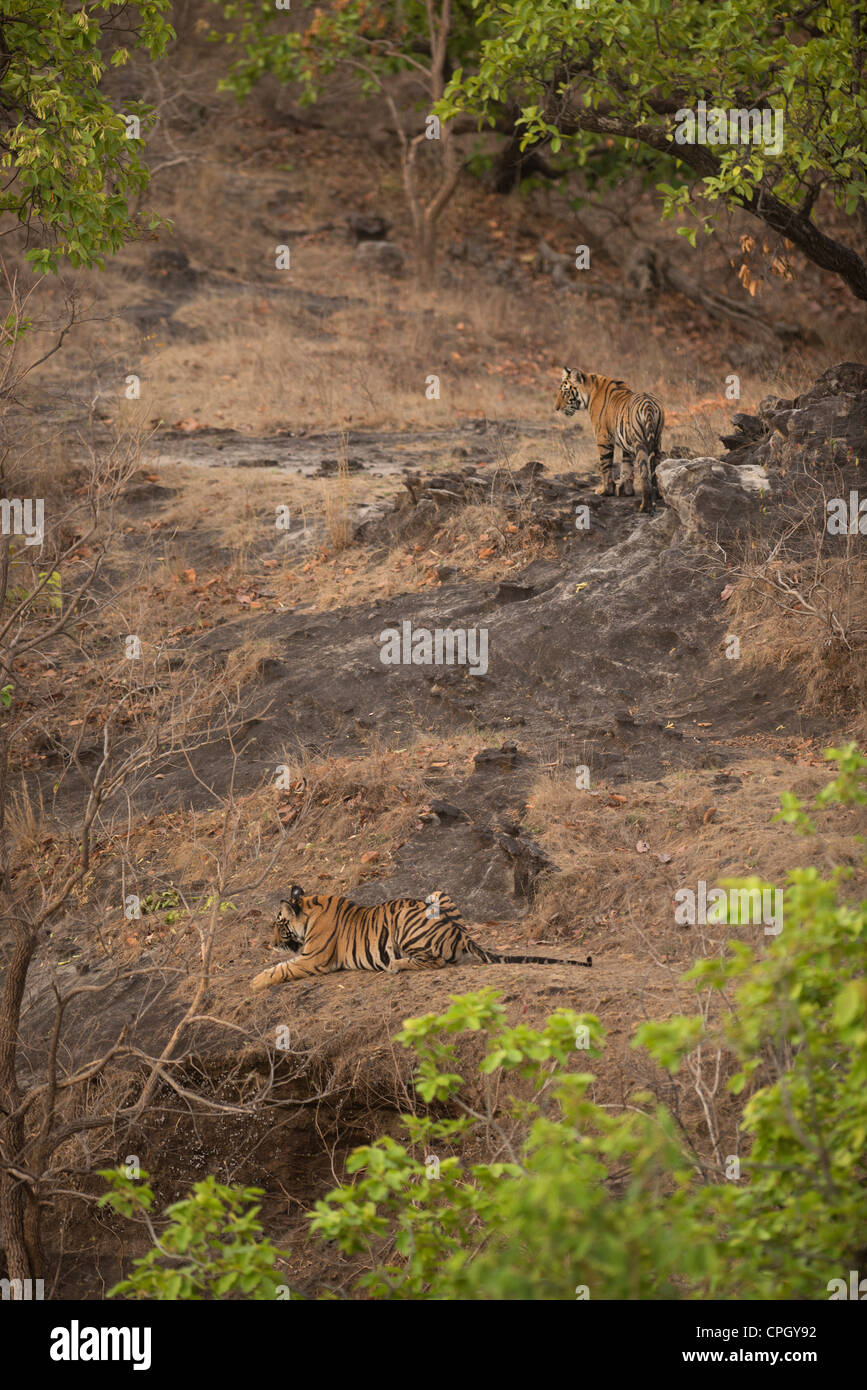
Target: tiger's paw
(266, 978)
(606, 488)
(626, 488)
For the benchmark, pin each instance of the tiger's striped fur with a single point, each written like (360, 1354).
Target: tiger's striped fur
(406, 934)
(623, 419)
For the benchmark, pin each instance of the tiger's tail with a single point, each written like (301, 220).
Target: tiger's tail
(448, 910)
(495, 957)
(647, 453)
(646, 477)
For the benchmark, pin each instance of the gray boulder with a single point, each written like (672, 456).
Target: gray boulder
(712, 499)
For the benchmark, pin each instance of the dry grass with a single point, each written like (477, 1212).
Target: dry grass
(259, 360)
(337, 510)
(823, 638)
(220, 524)
(244, 664)
(247, 346)
(607, 882)
(254, 349)
(799, 601)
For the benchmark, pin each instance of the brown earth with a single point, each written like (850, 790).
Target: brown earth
(606, 651)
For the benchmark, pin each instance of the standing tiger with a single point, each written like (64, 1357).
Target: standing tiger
(407, 934)
(619, 418)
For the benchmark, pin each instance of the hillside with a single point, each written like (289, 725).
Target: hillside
(276, 494)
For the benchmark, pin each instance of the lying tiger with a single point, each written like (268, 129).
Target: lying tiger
(620, 418)
(407, 934)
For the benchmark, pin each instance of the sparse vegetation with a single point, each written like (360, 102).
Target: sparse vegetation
(252, 474)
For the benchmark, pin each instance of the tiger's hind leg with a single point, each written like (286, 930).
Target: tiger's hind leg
(423, 961)
(606, 468)
(626, 485)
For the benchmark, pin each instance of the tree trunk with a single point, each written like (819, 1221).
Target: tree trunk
(14, 1196)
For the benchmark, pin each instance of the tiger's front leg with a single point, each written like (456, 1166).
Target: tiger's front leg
(606, 468)
(297, 969)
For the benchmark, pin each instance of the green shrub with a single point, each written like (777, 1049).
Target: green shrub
(212, 1246)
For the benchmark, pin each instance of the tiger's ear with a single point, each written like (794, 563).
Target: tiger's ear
(566, 373)
(295, 896)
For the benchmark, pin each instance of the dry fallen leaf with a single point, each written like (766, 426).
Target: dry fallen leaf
(642, 846)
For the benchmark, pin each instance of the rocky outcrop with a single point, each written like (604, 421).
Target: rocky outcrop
(826, 425)
(778, 455)
(525, 492)
(711, 498)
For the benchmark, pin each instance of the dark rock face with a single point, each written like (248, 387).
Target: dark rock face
(599, 650)
(826, 425)
(446, 811)
(828, 431)
(847, 378)
(527, 861)
(168, 260)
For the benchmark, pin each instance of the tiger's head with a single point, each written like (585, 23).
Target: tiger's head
(574, 392)
(290, 924)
